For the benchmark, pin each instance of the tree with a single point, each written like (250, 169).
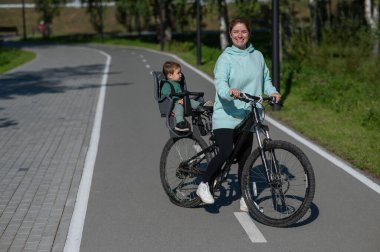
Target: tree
(248, 9)
(371, 13)
(130, 12)
(319, 16)
(181, 14)
(171, 15)
(96, 10)
(168, 24)
(163, 13)
(48, 9)
(223, 23)
(159, 21)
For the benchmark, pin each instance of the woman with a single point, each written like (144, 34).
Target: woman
(240, 68)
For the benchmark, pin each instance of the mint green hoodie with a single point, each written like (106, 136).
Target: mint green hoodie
(244, 70)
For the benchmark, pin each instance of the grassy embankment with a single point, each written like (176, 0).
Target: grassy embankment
(11, 58)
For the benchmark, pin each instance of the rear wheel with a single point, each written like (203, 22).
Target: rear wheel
(284, 198)
(181, 176)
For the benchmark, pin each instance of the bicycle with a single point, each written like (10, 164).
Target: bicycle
(278, 181)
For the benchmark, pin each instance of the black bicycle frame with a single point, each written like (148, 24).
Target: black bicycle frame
(251, 121)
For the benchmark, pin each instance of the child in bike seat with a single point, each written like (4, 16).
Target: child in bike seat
(172, 72)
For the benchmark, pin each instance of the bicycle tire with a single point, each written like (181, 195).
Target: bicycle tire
(286, 200)
(181, 186)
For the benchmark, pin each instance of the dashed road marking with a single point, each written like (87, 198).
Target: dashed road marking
(250, 228)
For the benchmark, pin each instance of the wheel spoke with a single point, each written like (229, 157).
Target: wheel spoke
(282, 197)
(180, 175)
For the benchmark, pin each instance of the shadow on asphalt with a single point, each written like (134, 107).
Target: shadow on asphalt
(228, 193)
(225, 195)
(49, 80)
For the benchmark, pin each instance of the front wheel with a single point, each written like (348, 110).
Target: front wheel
(278, 184)
(181, 169)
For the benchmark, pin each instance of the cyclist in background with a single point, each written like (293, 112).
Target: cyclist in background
(240, 68)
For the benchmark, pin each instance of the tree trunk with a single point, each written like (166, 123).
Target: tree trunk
(168, 21)
(371, 14)
(313, 19)
(223, 23)
(160, 26)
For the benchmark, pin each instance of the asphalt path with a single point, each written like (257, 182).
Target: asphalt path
(129, 211)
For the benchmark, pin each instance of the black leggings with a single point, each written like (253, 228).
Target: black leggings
(225, 139)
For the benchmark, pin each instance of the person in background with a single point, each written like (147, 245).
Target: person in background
(240, 68)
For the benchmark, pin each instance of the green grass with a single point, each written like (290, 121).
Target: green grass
(342, 133)
(336, 105)
(11, 58)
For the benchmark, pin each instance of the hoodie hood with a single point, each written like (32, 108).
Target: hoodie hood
(233, 50)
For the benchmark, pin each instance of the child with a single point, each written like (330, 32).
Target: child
(172, 72)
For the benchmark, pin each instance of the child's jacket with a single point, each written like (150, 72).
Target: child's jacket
(166, 89)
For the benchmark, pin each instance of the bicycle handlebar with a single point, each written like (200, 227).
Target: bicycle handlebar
(252, 98)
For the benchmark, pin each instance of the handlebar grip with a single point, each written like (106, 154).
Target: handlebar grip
(248, 98)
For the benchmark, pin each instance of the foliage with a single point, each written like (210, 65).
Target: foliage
(96, 10)
(182, 13)
(133, 15)
(12, 57)
(48, 9)
(336, 108)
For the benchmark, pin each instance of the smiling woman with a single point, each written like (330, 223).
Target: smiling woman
(11, 58)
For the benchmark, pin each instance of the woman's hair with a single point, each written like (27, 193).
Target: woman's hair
(241, 20)
(169, 67)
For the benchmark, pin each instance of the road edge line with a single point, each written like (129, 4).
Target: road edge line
(250, 228)
(339, 163)
(74, 235)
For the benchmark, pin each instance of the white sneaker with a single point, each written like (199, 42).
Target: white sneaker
(243, 206)
(203, 192)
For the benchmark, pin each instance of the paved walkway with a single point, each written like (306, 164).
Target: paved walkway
(47, 108)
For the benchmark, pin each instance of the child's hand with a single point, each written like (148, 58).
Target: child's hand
(180, 101)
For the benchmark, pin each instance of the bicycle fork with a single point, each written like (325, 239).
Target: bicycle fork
(270, 163)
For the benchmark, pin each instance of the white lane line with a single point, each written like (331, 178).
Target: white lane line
(147, 66)
(250, 228)
(350, 170)
(74, 236)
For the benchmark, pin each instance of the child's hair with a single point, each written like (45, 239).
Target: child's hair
(169, 67)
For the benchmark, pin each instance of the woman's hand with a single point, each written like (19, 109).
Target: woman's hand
(277, 96)
(235, 92)
(180, 101)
